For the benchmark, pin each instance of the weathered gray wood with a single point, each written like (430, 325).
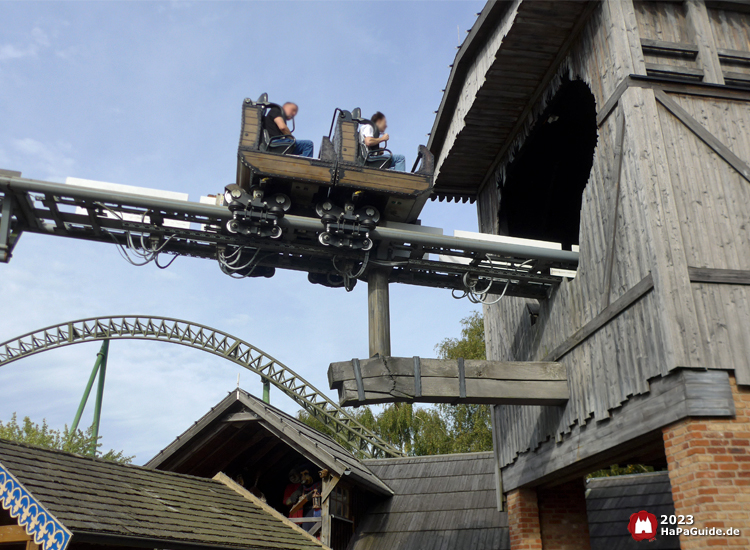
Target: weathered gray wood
(378, 303)
(708, 58)
(612, 229)
(391, 379)
(377, 367)
(659, 69)
(609, 313)
(707, 137)
(680, 395)
(719, 276)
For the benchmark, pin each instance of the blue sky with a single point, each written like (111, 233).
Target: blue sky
(149, 94)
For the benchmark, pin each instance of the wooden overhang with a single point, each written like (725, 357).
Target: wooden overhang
(242, 429)
(499, 74)
(66, 501)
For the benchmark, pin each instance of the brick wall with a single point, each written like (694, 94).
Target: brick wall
(549, 519)
(523, 520)
(709, 469)
(563, 519)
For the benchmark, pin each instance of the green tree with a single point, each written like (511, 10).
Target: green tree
(469, 426)
(442, 429)
(617, 470)
(43, 436)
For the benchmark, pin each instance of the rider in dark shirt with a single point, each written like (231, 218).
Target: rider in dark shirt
(275, 123)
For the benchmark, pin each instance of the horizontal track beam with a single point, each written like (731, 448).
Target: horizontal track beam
(211, 212)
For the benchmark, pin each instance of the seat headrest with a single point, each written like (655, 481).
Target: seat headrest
(356, 113)
(263, 98)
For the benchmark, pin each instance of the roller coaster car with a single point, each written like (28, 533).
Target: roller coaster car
(346, 187)
(268, 175)
(399, 196)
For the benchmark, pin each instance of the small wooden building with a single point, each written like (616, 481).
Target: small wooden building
(246, 438)
(378, 504)
(622, 128)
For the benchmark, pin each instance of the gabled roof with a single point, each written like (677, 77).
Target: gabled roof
(444, 501)
(500, 71)
(314, 446)
(112, 504)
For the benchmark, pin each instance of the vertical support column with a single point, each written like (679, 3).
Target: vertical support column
(266, 391)
(379, 315)
(6, 239)
(563, 520)
(523, 520)
(329, 482)
(89, 385)
(103, 353)
(709, 470)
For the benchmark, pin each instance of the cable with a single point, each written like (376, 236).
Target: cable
(146, 253)
(478, 296)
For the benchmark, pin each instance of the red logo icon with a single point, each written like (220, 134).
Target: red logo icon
(643, 526)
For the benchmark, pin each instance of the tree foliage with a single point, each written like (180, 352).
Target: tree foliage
(442, 429)
(617, 470)
(41, 435)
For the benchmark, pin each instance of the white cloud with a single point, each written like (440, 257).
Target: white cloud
(40, 37)
(67, 53)
(9, 51)
(54, 160)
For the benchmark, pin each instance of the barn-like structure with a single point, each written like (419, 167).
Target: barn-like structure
(623, 128)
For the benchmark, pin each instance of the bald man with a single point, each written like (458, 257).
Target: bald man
(275, 123)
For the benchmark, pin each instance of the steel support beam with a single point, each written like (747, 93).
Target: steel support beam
(100, 368)
(6, 239)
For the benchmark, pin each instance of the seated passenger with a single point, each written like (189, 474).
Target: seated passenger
(275, 123)
(374, 136)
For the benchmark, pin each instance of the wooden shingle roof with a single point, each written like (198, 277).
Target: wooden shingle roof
(113, 504)
(315, 446)
(445, 501)
(611, 500)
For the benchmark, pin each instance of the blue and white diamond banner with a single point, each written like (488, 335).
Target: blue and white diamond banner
(42, 526)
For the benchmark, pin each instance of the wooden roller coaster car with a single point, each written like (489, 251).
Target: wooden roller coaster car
(347, 187)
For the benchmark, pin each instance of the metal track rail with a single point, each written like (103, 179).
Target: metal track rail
(352, 434)
(105, 216)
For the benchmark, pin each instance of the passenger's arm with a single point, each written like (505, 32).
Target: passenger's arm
(282, 125)
(370, 141)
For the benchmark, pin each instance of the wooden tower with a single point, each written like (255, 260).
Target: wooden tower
(623, 128)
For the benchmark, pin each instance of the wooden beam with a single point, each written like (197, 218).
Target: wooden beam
(703, 134)
(379, 312)
(719, 276)
(13, 533)
(226, 480)
(612, 229)
(613, 310)
(699, 24)
(418, 380)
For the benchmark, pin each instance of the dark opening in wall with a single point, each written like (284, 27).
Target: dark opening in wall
(541, 195)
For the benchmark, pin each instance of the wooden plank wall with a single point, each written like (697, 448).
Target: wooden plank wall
(650, 177)
(712, 200)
